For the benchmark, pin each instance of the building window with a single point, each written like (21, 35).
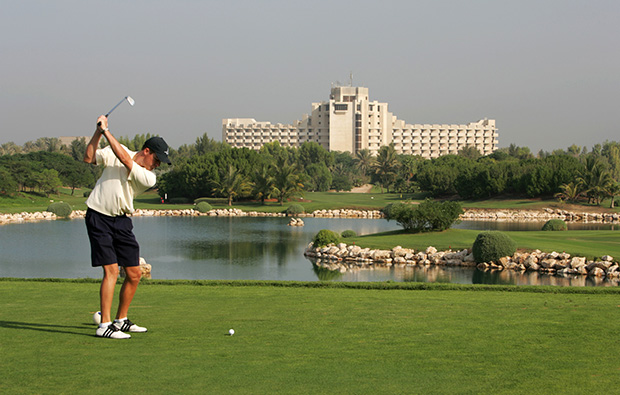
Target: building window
(341, 107)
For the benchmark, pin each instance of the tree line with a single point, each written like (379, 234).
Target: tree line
(209, 168)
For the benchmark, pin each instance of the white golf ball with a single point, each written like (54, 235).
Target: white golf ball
(231, 332)
(97, 318)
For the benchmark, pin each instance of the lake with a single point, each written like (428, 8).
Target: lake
(230, 248)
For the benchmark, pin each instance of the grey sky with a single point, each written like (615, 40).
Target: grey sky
(547, 71)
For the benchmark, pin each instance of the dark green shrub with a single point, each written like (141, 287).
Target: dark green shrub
(428, 216)
(61, 209)
(179, 200)
(490, 246)
(555, 224)
(325, 237)
(348, 233)
(86, 194)
(295, 209)
(203, 207)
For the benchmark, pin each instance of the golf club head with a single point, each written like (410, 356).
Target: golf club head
(130, 100)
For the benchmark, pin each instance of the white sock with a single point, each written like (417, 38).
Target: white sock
(120, 319)
(104, 324)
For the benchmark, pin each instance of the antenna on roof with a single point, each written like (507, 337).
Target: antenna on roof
(350, 78)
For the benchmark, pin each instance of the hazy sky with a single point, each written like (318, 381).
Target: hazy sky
(547, 71)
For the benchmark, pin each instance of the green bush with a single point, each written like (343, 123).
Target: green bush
(348, 233)
(428, 216)
(203, 207)
(325, 237)
(295, 209)
(86, 194)
(490, 246)
(61, 209)
(555, 224)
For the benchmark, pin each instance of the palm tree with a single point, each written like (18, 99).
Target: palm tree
(364, 162)
(570, 192)
(613, 190)
(287, 181)
(386, 166)
(232, 183)
(263, 185)
(595, 179)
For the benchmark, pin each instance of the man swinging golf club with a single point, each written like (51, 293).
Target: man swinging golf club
(126, 174)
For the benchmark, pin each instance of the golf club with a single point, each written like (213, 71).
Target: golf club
(129, 100)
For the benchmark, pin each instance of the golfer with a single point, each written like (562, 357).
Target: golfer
(125, 175)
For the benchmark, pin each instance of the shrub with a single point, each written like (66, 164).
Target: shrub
(490, 246)
(203, 207)
(555, 224)
(428, 216)
(179, 200)
(86, 194)
(348, 233)
(295, 209)
(61, 209)
(325, 237)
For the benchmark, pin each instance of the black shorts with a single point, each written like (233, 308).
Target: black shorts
(111, 240)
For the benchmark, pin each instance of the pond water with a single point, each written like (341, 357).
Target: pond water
(230, 248)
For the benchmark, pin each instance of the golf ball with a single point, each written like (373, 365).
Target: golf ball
(231, 332)
(97, 318)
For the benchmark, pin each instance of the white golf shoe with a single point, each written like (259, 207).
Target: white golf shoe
(128, 326)
(111, 332)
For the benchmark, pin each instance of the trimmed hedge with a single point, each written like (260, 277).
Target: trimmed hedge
(325, 237)
(295, 209)
(61, 209)
(204, 207)
(491, 246)
(348, 233)
(555, 224)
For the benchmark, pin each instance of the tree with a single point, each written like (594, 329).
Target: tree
(8, 185)
(595, 179)
(469, 152)
(232, 184)
(365, 162)
(263, 183)
(569, 192)
(48, 181)
(386, 166)
(319, 177)
(287, 181)
(78, 148)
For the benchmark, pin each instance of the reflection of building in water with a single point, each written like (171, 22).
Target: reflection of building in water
(350, 122)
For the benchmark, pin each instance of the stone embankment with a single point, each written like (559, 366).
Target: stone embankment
(38, 216)
(343, 258)
(536, 215)
(468, 215)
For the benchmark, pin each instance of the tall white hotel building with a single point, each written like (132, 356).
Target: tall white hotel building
(350, 122)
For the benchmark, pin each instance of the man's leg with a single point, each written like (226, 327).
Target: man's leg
(106, 292)
(128, 290)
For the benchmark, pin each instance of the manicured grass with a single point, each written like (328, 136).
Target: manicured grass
(311, 340)
(589, 243)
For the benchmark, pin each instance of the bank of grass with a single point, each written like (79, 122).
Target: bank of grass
(293, 338)
(588, 243)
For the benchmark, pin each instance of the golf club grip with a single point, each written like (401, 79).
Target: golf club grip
(99, 123)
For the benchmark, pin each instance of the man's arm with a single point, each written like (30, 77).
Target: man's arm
(119, 151)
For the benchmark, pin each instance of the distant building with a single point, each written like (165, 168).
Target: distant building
(350, 122)
(66, 140)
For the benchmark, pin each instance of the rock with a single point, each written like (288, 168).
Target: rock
(577, 262)
(431, 250)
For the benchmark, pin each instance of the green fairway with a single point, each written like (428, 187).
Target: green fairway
(305, 339)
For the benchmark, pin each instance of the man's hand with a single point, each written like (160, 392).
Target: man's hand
(102, 123)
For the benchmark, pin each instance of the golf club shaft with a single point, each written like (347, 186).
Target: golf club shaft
(119, 103)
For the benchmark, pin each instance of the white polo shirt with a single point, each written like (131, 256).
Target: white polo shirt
(116, 188)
